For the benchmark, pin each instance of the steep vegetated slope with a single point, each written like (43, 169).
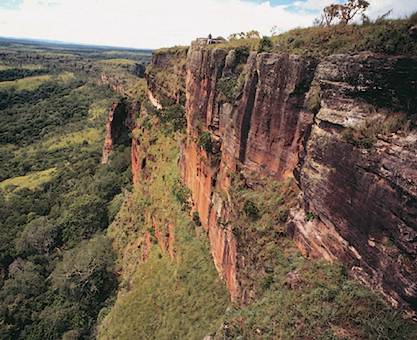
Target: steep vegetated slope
(169, 287)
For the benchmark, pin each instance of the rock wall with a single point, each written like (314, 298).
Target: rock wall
(119, 123)
(166, 75)
(364, 195)
(258, 130)
(295, 116)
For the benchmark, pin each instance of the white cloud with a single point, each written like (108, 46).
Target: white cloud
(313, 5)
(157, 23)
(400, 8)
(139, 23)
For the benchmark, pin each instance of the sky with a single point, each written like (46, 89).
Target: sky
(163, 23)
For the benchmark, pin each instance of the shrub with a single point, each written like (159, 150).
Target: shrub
(413, 18)
(196, 218)
(265, 44)
(227, 87)
(182, 194)
(172, 117)
(242, 54)
(204, 141)
(310, 216)
(251, 210)
(313, 102)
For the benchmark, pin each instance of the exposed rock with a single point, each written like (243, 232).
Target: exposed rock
(260, 132)
(293, 280)
(118, 125)
(413, 31)
(114, 83)
(282, 115)
(364, 200)
(166, 75)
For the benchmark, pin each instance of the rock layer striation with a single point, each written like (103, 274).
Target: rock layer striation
(342, 126)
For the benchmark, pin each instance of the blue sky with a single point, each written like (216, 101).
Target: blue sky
(159, 23)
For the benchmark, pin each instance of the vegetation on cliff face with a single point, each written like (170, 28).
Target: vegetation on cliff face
(287, 295)
(169, 287)
(165, 75)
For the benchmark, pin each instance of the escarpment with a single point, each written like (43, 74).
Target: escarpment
(341, 126)
(165, 76)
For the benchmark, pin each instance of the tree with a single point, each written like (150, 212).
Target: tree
(38, 237)
(236, 36)
(274, 30)
(345, 13)
(348, 11)
(253, 35)
(86, 272)
(265, 44)
(83, 217)
(330, 13)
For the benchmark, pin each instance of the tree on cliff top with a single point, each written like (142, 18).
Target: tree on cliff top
(344, 12)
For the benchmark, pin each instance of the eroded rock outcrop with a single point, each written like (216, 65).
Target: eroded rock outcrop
(118, 125)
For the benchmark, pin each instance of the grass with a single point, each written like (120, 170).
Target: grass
(118, 61)
(87, 136)
(32, 83)
(318, 302)
(290, 296)
(390, 37)
(31, 181)
(23, 66)
(172, 50)
(162, 297)
(366, 134)
(66, 77)
(28, 83)
(387, 36)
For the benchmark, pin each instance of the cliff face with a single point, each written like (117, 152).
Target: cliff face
(165, 76)
(257, 128)
(338, 125)
(362, 190)
(118, 125)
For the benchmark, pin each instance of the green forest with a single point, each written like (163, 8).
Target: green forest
(56, 199)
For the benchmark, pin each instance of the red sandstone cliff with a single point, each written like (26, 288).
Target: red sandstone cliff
(363, 200)
(337, 125)
(166, 74)
(363, 190)
(259, 130)
(119, 123)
